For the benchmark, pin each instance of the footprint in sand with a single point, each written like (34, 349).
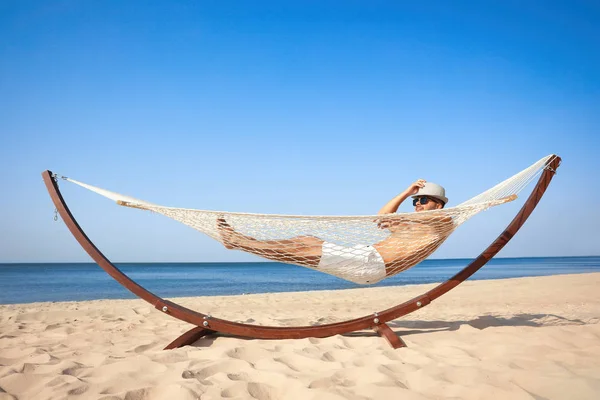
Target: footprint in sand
(78, 390)
(220, 367)
(73, 371)
(142, 348)
(261, 391)
(172, 357)
(358, 363)
(298, 363)
(239, 377)
(394, 373)
(338, 355)
(187, 374)
(56, 381)
(236, 391)
(173, 391)
(287, 363)
(250, 355)
(322, 383)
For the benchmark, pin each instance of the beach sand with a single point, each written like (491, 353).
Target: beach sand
(528, 338)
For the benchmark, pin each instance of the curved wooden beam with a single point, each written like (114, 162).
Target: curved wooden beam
(376, 321)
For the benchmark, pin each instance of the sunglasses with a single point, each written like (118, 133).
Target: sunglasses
(422, 201)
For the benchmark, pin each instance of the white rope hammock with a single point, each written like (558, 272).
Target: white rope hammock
(401, 240)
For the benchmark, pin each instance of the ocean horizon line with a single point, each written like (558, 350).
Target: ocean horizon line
(271, 262)
(72, 281)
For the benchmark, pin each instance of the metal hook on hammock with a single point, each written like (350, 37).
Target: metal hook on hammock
(549, 168)
(55, 177)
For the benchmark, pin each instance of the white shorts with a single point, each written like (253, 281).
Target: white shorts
(360, 264)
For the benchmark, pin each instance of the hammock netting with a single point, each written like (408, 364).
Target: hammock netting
(402, 239)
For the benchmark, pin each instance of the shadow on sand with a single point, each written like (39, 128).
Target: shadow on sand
(409, 327)
(405, 327)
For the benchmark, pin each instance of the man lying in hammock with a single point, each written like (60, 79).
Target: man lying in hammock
(410, 241)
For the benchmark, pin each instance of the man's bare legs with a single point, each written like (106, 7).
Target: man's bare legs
(306, 250)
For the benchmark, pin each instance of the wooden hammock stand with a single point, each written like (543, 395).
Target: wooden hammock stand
(206, 324)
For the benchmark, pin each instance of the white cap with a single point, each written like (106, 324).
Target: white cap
(434, 190)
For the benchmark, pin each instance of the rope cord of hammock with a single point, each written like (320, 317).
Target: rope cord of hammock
(479, 200)
(409, 237)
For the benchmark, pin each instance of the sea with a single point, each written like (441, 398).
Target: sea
(27, 283)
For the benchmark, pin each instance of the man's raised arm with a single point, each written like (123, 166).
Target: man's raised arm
(393, 204)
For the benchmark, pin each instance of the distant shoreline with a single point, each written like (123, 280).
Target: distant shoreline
(273, 262)
(41, 282)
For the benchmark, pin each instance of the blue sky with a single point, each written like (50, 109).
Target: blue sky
(292, 107)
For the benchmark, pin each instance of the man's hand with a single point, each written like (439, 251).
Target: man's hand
(414, 187)
(393, 204)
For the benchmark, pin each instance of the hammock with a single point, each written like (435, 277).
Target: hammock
(409, 237)
(205, 324)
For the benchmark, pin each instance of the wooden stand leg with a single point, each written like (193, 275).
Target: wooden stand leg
(394, 340)
(189, 337)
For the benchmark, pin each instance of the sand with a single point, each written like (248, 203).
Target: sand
(527, 338)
